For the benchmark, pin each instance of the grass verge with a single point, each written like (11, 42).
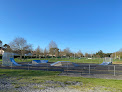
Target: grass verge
(22, 77)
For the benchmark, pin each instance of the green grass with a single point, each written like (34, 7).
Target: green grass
(82, 60)
(25, 73)
(117, 61)
(25, 76)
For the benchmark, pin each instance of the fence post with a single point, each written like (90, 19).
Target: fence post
(11, 65)
(89, 69)
(114, 70)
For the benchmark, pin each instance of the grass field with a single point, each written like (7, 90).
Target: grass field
(21, 77)
(117, 61)
(82, 60)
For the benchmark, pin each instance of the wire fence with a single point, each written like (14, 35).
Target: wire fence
(96, 69)
(83, 69)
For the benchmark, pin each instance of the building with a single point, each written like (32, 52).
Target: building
(1, 51)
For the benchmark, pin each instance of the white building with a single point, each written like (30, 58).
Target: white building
(1, 51)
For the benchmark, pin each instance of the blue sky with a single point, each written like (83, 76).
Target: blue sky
(86, 25)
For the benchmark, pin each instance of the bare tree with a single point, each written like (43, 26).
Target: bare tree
(41, 52)
(86, 54)
(53, 49)
(52, 44)
(67, 52)
(54, 52)
(19, 45)
(80, 54)
(30, 49)
(61, 53)
(71, 54)
(45, 52)
(38, 52)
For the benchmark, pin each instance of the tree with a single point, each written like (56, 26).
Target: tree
(52, 44)
(38, 52)
(120, 50)
(56, 52)
(19, 45)
(53, 49)
(72, 54)
(120, 53)
(45, 52)
(30, 49)
(7, 48)
(107, 54)
(116, 55)
(100, 53)
(67, 52)
(0, 43)
(80, 54)
(61, 53)
(86, 54)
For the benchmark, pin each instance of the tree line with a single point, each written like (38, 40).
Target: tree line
(20, 47)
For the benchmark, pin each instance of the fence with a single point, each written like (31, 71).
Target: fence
(95, 69)
(83, 69)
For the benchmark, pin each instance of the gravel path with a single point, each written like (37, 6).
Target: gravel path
(10, 85)
(6, 85)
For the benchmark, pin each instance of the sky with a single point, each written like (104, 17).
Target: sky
(86, 25)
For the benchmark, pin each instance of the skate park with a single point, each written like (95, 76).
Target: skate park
(65, 67)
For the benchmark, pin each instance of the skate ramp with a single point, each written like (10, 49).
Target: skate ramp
(64, 64)
(39, 61)
(106, 63)
(13, 62)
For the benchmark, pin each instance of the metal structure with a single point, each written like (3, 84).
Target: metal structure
(107, 59)
(6, 59)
